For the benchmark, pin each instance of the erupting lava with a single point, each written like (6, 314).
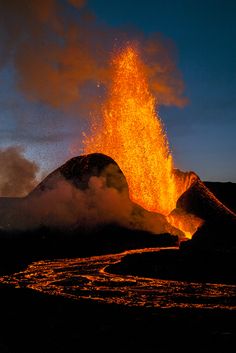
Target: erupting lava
(133, 135)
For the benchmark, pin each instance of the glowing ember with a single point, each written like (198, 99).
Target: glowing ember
(133, 135)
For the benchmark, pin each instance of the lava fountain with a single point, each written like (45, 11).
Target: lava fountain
(132, 133)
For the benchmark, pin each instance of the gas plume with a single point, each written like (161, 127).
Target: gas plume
(64, 205)
(18, 174)
(58, 49)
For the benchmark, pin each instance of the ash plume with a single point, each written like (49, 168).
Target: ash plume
(59, 48)
(17, 174)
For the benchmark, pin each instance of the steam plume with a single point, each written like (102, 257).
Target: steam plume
(64, 205)
(18, 174)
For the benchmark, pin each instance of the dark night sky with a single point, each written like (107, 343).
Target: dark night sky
(202, 134)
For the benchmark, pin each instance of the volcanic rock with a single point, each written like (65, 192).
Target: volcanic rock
(79, 170)
(219, 228)
(225, 192)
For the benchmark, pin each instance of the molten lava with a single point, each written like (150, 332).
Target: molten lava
(132, 134)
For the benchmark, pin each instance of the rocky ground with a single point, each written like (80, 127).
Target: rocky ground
(32, 322)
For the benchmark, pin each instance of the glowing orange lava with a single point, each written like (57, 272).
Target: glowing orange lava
(132, 134)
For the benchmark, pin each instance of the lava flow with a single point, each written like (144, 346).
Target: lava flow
(132, 134)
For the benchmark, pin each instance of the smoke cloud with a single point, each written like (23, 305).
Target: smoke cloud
(62, 205)
(59, 48)
(165, 79)
(18, 174)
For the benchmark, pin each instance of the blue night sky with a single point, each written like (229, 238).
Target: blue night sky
(202, 134)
